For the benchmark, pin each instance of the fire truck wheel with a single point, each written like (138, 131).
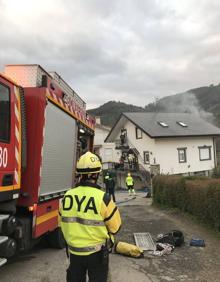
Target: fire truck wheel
(8, 249)
(56, 240)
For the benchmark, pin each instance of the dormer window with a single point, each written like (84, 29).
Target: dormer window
(183, 124)
(163, 124)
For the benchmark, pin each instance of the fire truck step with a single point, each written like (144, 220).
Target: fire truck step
(4, 216)
(3, 239)
(2, 261)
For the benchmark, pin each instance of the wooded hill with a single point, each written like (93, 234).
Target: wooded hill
(110, 111)
(204, 101)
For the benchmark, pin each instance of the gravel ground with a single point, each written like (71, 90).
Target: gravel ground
(184, 264)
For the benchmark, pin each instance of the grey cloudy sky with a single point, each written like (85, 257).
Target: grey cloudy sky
(125, 50)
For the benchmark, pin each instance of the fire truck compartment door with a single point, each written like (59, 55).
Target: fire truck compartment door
(59, 151)
(9, 141)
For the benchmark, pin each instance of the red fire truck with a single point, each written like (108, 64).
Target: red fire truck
(44, 128)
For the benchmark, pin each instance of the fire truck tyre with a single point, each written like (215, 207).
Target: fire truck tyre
(9, 225)
(56, 240)
(8, 249)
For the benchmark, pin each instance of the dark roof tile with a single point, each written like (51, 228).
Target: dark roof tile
(149, 123)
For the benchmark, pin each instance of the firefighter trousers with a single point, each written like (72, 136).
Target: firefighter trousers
(131, 189)
(94, 265)
(112, 194)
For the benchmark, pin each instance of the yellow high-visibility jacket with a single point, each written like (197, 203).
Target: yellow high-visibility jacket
(88, 218)
(129, 181)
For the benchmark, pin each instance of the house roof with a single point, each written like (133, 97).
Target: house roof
(103, 127)
(161, 125)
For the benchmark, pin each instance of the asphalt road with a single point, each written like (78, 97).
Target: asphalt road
(184, 264)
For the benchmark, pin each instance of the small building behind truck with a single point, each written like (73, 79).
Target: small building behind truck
(44, 128)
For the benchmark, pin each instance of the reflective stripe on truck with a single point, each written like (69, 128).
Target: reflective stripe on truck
(17, 109)
(45, 217)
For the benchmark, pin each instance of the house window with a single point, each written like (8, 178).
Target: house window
(123, 136)
(205, 153)
(146, 157)
(4, 113)
(182, 155)
(138, 133)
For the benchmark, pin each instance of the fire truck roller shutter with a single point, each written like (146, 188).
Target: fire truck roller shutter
(59, 151)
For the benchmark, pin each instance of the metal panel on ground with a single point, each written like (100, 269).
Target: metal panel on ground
(59, 151)
(144, 241)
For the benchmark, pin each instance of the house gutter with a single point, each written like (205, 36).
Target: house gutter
(214, 151)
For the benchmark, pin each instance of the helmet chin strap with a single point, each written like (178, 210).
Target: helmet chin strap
(94, 176)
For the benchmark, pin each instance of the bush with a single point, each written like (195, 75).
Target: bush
(199, 196)
(216, 172)
(169, 190)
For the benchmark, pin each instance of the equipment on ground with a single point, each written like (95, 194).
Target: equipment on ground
(163, 249)
(128, 250)
(195, 242)
(144, 241)
(175, 238)
(148, 192)
(44, 128)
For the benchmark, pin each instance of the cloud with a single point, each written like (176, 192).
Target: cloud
(129, 51)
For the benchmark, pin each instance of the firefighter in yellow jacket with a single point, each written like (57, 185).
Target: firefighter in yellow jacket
(88, 219)
(130, 184)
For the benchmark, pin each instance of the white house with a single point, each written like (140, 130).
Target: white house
(168, 143)
(106, 151)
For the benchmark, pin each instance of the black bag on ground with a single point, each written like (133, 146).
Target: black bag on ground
(175, 238)
(166, 239)
(178, 237)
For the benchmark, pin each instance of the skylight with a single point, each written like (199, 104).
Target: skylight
(163, 124)
(183, 124)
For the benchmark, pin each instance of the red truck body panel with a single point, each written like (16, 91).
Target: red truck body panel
(62, 106)
(45, 217)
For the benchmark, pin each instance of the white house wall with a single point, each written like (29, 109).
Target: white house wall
(166, 154)
(109, 154)
(144, 144)
(106, 150)
(100, 135)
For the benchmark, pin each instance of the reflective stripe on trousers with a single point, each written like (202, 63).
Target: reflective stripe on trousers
(82, 221)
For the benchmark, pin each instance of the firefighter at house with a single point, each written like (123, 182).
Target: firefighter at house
(130, 184)
(89, 218)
